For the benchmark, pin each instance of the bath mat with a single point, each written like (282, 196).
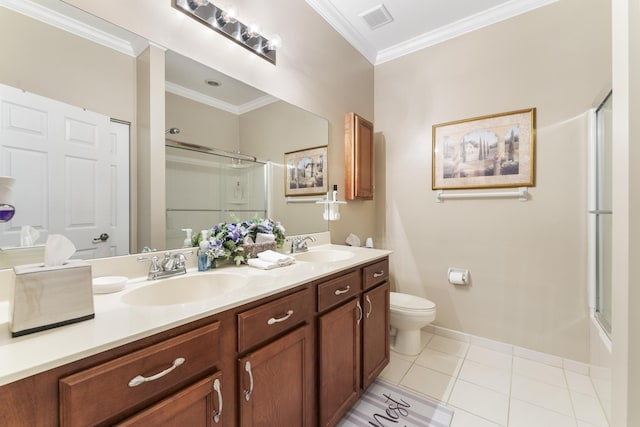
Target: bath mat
(387, 405)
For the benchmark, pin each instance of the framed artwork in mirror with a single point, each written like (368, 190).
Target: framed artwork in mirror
(306, 172)
(491, 151)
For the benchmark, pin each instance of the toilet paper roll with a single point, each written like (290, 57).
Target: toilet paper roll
(458, 277)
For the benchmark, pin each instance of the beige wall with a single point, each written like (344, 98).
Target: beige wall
(316, 69)
(53, 63)
(527, 260)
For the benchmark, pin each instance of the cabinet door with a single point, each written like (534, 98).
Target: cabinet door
(358, 158)
(339, 360)
(274, 382)
(199, 405)
(375, 335)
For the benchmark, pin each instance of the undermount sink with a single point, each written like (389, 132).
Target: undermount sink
(184, 289)
(323, 255)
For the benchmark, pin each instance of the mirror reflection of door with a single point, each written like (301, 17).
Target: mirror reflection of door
(72, 173)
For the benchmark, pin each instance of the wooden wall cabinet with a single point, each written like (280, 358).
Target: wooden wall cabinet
(358, 158)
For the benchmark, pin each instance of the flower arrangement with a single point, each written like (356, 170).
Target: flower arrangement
(226, 240)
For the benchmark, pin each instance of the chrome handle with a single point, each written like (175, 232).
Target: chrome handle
(247, 393)
(359, 309)
(370, 306)
(136, 381)
(343, 290)
(380, 274)
(280, 319)
(218, 412)
(600, 212)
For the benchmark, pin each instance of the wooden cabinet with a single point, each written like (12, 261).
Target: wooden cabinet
(276, 379)
(129, 383)
(338, 361)
(358, 157)
(274, 382)
(375, 327)
(199, 405)
(353, 338)
(375, 333)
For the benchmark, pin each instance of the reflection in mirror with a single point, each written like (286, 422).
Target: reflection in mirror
(92, 75)
(217, 111)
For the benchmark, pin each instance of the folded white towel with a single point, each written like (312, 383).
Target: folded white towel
(276, 257)
(264, 265)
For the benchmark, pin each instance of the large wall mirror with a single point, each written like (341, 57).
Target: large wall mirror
(83, 71)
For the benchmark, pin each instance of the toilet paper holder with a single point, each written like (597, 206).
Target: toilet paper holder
(458, 276)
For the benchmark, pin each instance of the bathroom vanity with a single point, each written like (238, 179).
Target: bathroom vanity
(294, 346)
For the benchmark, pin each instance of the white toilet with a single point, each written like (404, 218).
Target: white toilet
(409, 314)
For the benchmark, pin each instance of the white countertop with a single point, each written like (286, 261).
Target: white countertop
(117, 323)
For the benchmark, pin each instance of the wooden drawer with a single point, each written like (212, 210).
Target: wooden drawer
(337, 290)
(268, 320)
(376, 273)
(98, 394)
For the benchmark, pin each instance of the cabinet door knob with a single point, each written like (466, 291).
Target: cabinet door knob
(370, 306)
(218, 412)
(343, 290)
(280, 319)
(136, 381)
(247, 393)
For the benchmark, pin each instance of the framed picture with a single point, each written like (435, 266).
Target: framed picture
(305, 172)
(485, 152)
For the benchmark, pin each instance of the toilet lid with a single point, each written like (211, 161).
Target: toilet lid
(410, 302)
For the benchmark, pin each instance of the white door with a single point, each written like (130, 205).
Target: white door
(72, 173)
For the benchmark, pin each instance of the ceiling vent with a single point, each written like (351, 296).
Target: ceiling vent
(377, 17)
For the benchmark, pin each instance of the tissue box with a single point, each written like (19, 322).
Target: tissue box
(48, 297)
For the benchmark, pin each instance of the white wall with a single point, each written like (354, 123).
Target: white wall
(527, 260)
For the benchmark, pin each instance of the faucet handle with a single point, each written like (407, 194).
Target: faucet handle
(155, 264)
(180, 260)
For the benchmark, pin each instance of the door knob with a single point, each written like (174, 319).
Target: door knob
(103, 238)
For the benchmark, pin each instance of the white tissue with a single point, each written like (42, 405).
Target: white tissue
(28, 235)
(58, 250)
(353, 240)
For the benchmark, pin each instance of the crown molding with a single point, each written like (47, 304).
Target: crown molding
(483, 19)
(216, 103)
(74, 26)
(475, 22)
(330, 14)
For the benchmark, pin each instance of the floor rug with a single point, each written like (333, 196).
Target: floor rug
(387, 405)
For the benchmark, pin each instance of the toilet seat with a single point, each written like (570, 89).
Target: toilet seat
(410, 303)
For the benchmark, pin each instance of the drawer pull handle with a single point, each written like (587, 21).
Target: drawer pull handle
(360, 310)
(280, 319)
(343, 290)
(218, 412)
(247, 393)
(370, 307)
(379, 274)
(136, 381)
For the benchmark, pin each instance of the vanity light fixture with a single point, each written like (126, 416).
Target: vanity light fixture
(225, 21)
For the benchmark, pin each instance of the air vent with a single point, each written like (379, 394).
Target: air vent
(377, 17)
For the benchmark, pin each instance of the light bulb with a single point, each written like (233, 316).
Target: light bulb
(274, 43)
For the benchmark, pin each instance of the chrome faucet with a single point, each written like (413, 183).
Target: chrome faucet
(171, 265)
(299, 243)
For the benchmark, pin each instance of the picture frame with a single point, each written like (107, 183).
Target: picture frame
(306, 172)
(490, 151)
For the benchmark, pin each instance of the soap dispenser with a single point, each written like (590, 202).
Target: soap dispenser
(187, 240)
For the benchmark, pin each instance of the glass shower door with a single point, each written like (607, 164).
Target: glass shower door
(603, 213)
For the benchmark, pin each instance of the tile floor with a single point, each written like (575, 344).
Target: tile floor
(491, 388)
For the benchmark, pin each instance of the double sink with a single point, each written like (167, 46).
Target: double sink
(203, 286)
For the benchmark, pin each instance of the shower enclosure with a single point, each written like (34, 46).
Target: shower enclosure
(206, 187)
(600, 212)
